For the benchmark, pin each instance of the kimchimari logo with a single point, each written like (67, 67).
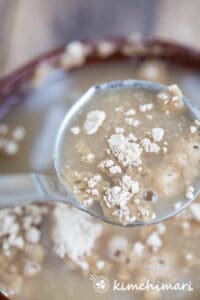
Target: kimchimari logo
(101, 285)
(122, 286)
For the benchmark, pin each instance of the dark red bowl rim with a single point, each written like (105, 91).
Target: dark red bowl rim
(11, 85)
(154, 48)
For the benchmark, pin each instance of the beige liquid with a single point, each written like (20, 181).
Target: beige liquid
(167, 169)
(48, 106)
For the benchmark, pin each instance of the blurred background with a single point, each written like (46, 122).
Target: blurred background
(31, 27)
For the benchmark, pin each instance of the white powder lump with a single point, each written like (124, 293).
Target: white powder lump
(149, 147)
(161, 228)
(197, 123)
(106, 49)
(93, 192)
(94, 120)
(119, 195)
(33, 235)
(138, 248)
(75, 130)
(195, 210)
(88, 158)
(172, 94)
(10, 139)
(146, 107)
(106, 163)
(130, 112)
(149, 117)
(131, 121)
(189, 194)
(74, 234)
(11, 148)
(75, 54)
(88, 202)
(115, 170)
(9, 232)
(177, 95)
(19, 226)
(18, 133)
(127, 152)
(153, 71)
(109, 164)
(119, 130)
(124, 215)
(22, 254)
(127, 183)
(100, 264)
(193, 129)
(157, 134)
(154, 241)
(178, 205)
(92, 182)
(119, 109)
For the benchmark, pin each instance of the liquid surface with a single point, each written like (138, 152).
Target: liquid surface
(136, 152)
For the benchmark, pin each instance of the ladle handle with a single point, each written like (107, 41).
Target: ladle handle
(21, 189)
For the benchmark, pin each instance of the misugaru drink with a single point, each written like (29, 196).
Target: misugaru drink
(130, 149)
(50, 253)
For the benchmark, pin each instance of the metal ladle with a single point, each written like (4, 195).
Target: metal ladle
(21, 189)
